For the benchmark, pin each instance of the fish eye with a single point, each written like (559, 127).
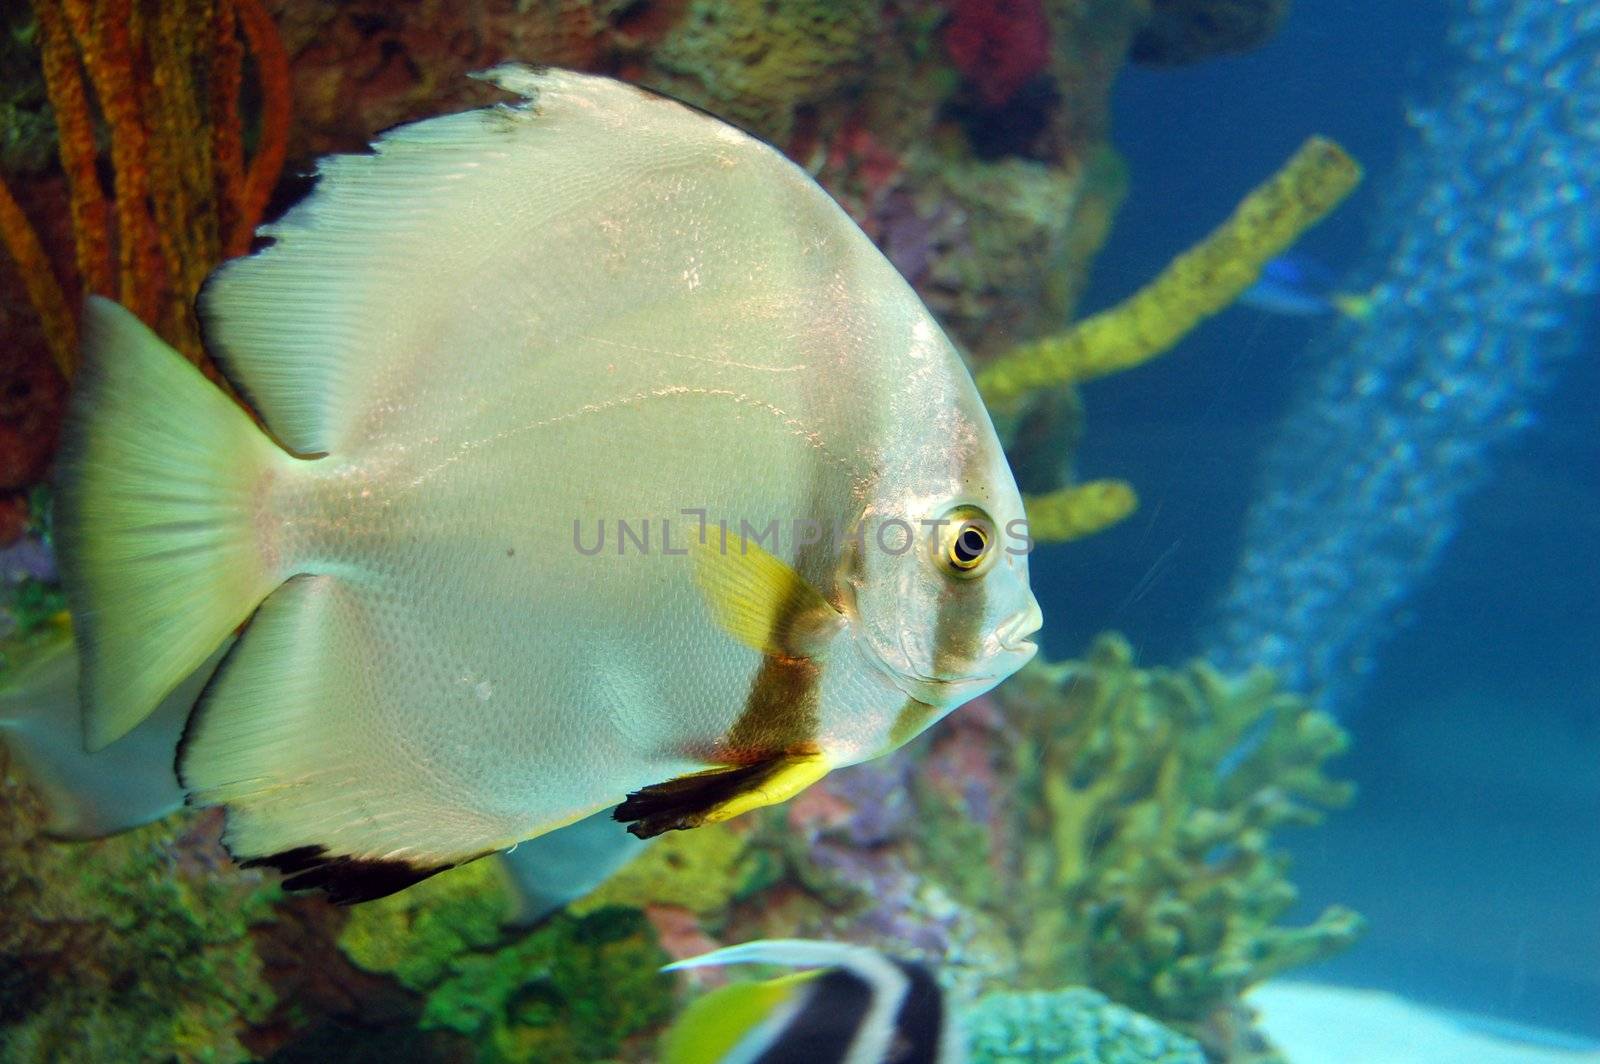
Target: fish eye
(968, 543)
(966, 550)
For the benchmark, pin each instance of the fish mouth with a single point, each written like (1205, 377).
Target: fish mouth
(1014, 631)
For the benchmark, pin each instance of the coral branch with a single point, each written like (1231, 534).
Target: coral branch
(179, 164)
(166, 80)
(1155, 795)
(1079, 510)
(44, 290)
(105, 36)
(69, 101)
(1196, 285)
(227, 125)
(272, 72)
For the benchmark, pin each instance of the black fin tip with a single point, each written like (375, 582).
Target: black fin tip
(684, 802)
(346, 880)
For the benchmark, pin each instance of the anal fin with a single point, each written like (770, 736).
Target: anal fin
(718, 794)
(296, 737)
(346, 880)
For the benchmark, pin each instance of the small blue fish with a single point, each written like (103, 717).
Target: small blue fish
(1299, 287)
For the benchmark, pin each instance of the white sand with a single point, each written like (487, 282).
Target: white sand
(1317, 1024)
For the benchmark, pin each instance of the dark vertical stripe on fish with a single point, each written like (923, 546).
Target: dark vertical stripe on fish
(958, 627)
(783, 709)
(782, 713)
(826, 1025)
(914, 716)
(919, 1025)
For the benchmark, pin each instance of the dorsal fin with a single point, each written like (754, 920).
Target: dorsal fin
(356, 309)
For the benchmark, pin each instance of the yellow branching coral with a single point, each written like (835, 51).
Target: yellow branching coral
(1153, 795)
(1079, 510)
(1196, 285)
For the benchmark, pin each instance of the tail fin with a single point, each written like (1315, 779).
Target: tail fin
(159, 554)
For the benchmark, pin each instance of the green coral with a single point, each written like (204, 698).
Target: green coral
(127, 949)
(1194, 286)
(416, 934)
(1153, 795)
(1079, 510)
(1197, 284)
(574, 989)
(948, 840)
(1073, 1026)
(701, 870)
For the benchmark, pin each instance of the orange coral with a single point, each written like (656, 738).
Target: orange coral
(272, 71)
(166, 79)
(75, 138)
(61, 331)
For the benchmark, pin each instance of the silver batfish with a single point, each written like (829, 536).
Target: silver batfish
(601, 459)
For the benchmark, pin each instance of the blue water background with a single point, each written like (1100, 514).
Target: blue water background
(1474, 848)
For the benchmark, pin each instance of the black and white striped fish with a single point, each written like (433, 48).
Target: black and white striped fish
(853, 1005)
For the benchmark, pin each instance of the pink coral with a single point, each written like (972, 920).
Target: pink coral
(679, 931)
(998, 44)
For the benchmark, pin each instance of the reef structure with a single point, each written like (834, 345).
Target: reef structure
(135, 155)
(1073, 1026)
(1486, 256)
(991, 189)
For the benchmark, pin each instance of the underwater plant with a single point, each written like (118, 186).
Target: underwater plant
(134, 948)
(1092, 824)
(576, 988)
(1197, 284)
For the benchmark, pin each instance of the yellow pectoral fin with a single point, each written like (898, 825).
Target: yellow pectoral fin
(719, 794)
(791, 777)
(761, 600)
